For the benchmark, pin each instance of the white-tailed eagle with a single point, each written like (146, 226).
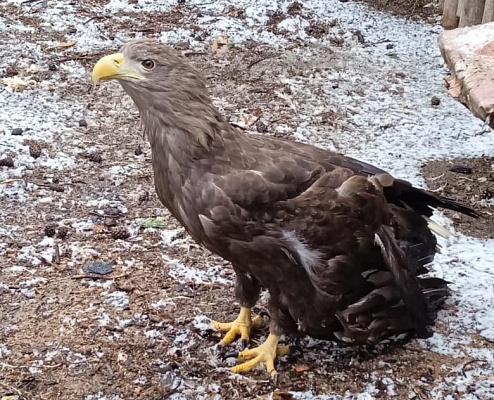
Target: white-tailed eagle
(340, 245)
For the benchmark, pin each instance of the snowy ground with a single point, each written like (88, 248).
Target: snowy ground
(335, 74)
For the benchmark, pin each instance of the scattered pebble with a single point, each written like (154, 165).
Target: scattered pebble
(82, 123)
(110, 221)
(261, 127)
(17, 131)
(95, 157)
(435, 101)
(138, 151)
(7, 162)
(98, 267)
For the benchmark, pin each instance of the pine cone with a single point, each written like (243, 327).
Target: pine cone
(7, 162)
(120, 233)
(94, 157)
(35, 150)
(50, 230)
(56, 187)
(62, 232)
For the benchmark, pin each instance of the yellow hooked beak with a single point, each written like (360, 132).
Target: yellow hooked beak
(115, 66)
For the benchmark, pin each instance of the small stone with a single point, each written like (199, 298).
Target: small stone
(71, 30)
(50, 230)
(35, 150)
(17, 131)
(143, 197)
(110, 221)
(261, 127)
(11, 71)
(98, 267)
(52, 67)
(390, 46)
(95, 157)
(461, 169)
(120, 233)
(138, 151)
(435, 101)
(82, 123)
(55, 179)
(109, 210)
(62, 232)
(7, 162)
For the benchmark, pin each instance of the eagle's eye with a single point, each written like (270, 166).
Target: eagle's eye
(148, 64)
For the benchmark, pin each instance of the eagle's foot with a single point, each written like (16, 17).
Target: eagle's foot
(265, 354)
(242, 326)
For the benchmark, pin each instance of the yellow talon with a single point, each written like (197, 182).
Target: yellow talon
(265, 354)
(242, 326)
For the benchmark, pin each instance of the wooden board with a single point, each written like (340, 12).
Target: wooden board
(469, 53)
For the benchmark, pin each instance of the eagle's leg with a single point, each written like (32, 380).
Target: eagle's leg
(247, 291)
(265, 354)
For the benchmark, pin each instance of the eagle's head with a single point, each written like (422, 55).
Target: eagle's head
(151, 72)
(168, 91)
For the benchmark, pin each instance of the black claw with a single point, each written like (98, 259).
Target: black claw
(244, 343)
(221, 350)
(230, 354)
(296, 352)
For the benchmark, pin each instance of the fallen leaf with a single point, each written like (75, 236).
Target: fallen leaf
(99, 228)
(152, 222)
(301, 367)
(17, 84)
(219, 46)
(279, 395)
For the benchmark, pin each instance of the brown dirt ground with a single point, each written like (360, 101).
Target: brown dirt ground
(476, 187)
(118, 360)
(414, 9)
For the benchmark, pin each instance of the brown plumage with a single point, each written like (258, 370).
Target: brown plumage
(340, 245)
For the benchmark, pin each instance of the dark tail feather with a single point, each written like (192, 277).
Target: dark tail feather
(406, 282)
(423, 201)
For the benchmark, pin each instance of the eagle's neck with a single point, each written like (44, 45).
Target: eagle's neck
(183, 125)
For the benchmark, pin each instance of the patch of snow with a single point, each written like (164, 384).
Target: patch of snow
(101, 396)
(117, 299)
(32, 282)
(295, 25)
(152, 334)
(103, 318)
(169, 237)
(309, 395)
(184, 273)
(202, 323)
(162, 303)
(4, 351)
